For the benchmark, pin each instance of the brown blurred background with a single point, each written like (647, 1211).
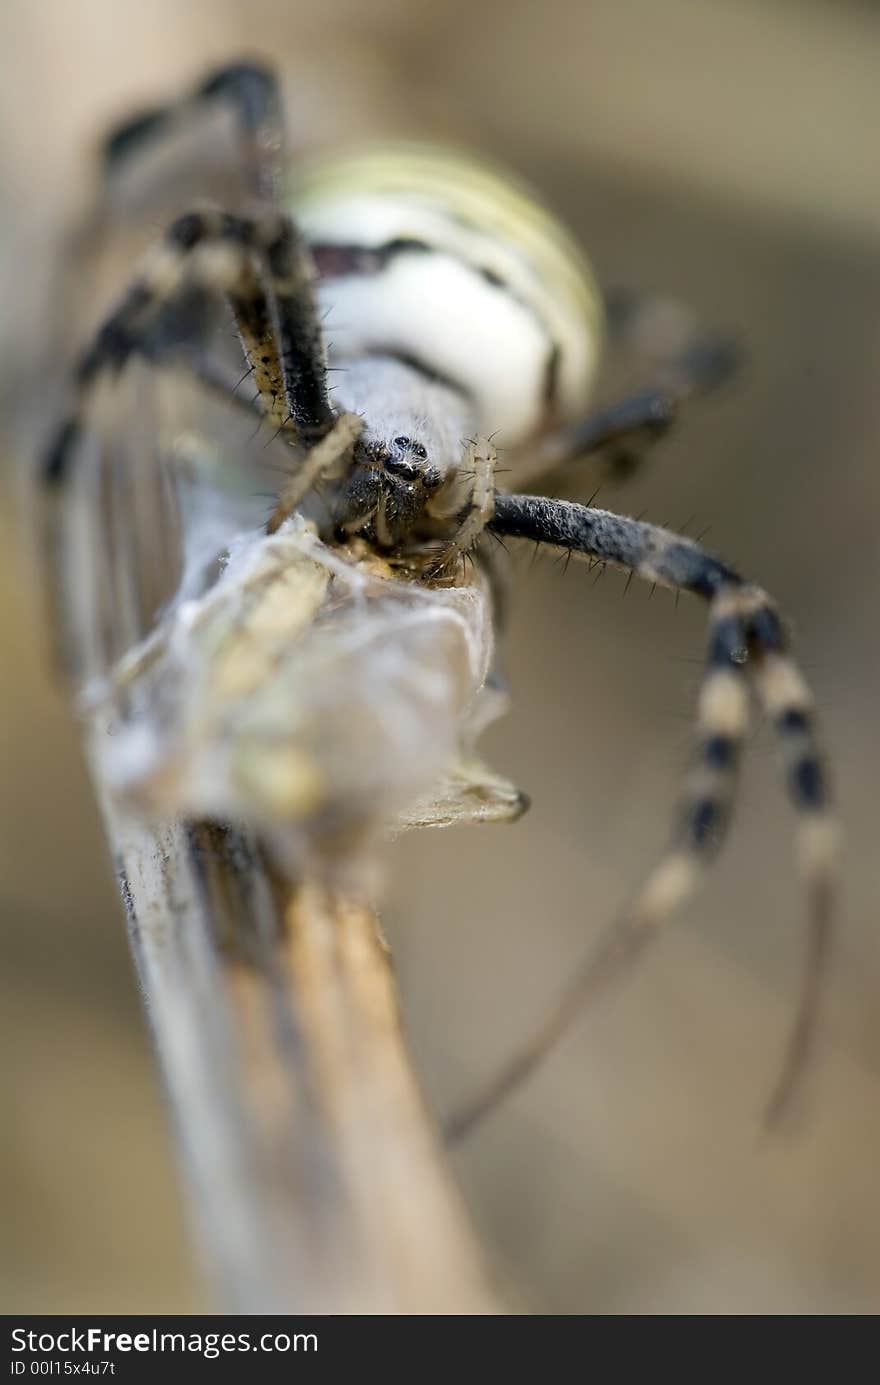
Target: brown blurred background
(724, 150)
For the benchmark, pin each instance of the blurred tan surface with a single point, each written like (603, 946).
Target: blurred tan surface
(719, 150)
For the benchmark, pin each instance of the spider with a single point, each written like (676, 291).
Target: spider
(460, 308)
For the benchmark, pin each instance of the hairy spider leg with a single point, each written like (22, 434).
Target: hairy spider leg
(479, 466)
(204, 254)
(250, 90)
(746, 642)
(626, 430)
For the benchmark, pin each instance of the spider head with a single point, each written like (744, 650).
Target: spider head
(388, 488)
(409, 451)
(407, 459)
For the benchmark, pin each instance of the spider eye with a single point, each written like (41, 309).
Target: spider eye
(407, 445)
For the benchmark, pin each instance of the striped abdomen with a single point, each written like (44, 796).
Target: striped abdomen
(426, 255)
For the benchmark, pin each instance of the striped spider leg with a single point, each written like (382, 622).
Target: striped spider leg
(260, 263)
(687, 363)
(249, 90)
(747, 646)
(262, 268)
(250, 93)
(265, 270)
(204, 254)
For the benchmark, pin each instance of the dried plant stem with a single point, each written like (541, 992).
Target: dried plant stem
(312, 1174)
(315, 1179)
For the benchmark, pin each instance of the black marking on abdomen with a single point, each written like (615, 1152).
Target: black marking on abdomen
(427, 372)
(339, 261)
(551, 375)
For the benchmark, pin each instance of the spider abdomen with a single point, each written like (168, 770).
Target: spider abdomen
(429, 256)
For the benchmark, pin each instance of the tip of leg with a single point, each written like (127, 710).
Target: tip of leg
(786, 1095)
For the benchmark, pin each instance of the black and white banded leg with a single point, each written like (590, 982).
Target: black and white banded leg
(261, 266)
(693, 363)
(747, 647)
(250, 90)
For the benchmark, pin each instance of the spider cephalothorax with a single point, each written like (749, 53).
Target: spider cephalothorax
(405, 463)
(386, 494)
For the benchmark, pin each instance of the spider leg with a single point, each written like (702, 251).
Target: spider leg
(217, 377)
(684, 362)
(470, 522)
(747, 645)
(202, 255)
(250, 90)
(623, 429)
(320, 461)
(665, 336)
